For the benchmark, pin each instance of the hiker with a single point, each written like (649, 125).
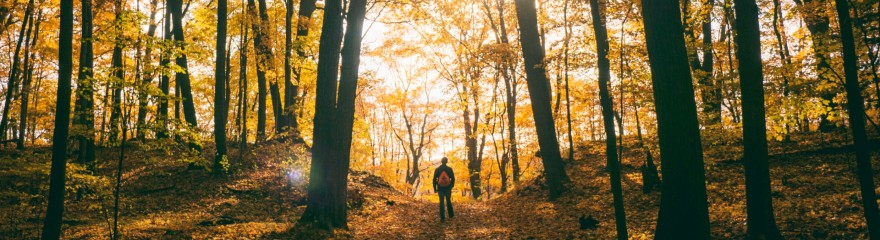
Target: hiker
(444, 180)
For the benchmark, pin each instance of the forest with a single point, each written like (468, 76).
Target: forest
(326, 119)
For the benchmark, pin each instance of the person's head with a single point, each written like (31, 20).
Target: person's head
(444, 160)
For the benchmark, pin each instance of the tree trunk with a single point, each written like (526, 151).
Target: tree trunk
(509, 74)
(683, 205)
(261, 70)
(474, 161)
(84, 111)
(539, 92)
(613, 162)
(333, 121)
(243, 92)
(220, 101)
(856, 106)
(26, 85)
(164, 81)
(182, 78)
(759, 203)
(55, 206)
(306, 8)
(118, 80)
(567, 89)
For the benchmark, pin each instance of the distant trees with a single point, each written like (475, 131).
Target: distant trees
(818, 24)
(684, 212)
(416, 133)
(759, 203)
(710, 93)
(26, 85)
(55, 208)
(326, 206)
(539, 92)
(15, 71)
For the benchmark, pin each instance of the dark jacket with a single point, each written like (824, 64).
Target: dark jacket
(449, 172)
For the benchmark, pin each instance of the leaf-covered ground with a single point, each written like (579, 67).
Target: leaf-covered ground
(814, 189)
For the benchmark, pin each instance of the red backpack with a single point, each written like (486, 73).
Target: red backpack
(444, 179)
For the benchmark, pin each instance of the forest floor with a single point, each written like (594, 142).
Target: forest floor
(813, 182)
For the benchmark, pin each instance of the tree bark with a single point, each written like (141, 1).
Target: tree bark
(55, 208)
(510, 94)
(683, 205)
(26, 85)
(243, 92)
(291, 89)
(220, 101)
(182, 78)
(118, 80)
(759, 203)
(856, 106)
(164, 80)
(539, 92)
(261, 71)
(326, 206)
(613, 162)
(84, 111)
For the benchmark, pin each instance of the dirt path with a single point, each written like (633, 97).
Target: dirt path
(415, 218)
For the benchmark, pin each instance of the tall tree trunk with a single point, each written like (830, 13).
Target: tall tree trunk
(856, 105)
(55, 206)
(84, 111)
(26, 85)
(164, 80)
(683, 205)
(264, 52)
(220, 101)
(475, 162)
(613, 162)
(759, 203)
(306, 9)
(118, 80)
(261, 70)
(11, 83)
(182, 78)
(243, 92)
(510, 91)
(334, 120)
(567, 89)
(539, 92)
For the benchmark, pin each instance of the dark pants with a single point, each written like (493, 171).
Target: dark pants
(445, 196)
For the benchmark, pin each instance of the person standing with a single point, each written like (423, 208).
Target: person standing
(444, 180)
